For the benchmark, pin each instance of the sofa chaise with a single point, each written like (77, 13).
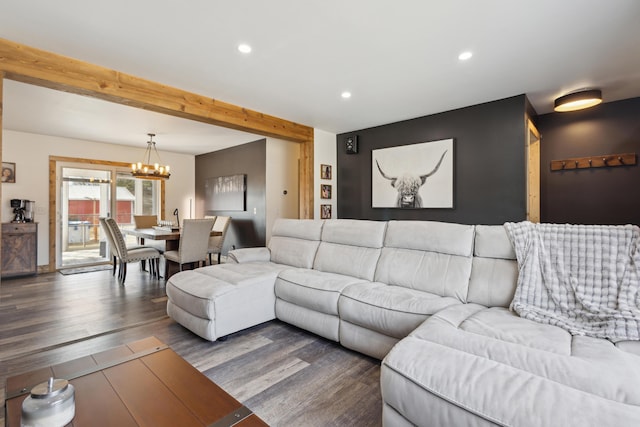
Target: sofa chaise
(431, 300)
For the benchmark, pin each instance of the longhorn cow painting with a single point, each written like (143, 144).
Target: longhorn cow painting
(413, 176)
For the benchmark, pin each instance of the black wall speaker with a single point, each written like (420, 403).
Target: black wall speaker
(351, 144)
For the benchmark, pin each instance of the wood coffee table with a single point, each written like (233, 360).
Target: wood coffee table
(143, 383)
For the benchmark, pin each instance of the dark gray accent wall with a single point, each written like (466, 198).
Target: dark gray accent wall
(489, 164)
(247, 229)
(591, 196)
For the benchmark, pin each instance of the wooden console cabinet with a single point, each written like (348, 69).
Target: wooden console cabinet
(19, 249)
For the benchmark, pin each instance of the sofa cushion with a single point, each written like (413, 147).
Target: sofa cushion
(544, 350)
(203, 302)
(629, 346)
(429, 256)
(306, 229)
(294, 242)
(497, 323)
(347, 260)
(194, 292)
(293, 252)
(239, 256)
(431, 236)
(242, 274)
(391, 310)
(312, 289)
(543, 372)
(436, 273)
(366, 341)
(494, 271)
(200, 326)
(350, 247)
(325, 325)
(199, 291)
(492, 241)
(354, 232)
(492, 282)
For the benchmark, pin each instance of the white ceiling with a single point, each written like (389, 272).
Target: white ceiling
(398, 59)
(45, 111)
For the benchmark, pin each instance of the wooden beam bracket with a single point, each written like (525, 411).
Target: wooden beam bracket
(607, 160)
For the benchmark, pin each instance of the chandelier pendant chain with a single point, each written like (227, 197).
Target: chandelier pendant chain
(157, 154)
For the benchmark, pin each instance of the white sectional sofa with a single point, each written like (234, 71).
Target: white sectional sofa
(431, 300)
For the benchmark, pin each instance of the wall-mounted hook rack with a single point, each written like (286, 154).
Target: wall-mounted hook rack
(607, 160)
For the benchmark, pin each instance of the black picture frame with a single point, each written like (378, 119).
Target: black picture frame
(325, 211)
(325, 191)
(8, 173)
(325, 171)
(413, 176)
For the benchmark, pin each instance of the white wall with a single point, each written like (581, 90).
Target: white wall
(30, 153)
(324, 153)
(281, 175)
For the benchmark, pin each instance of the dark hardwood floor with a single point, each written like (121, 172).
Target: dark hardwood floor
(284, 374)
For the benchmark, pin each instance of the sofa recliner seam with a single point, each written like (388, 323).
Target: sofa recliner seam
(342, 295)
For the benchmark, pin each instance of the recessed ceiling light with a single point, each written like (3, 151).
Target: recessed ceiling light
(244, 48)
(346, 95)
(465, 55)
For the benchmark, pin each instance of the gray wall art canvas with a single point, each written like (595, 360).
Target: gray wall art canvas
(413, 176)
(225, 193)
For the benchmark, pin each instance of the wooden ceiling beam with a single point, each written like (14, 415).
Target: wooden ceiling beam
(30, 65)
(34, 66)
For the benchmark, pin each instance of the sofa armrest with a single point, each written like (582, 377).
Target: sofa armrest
(239, 256)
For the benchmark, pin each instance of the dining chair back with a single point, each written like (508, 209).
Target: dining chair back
(127, 255)
(215, 242)
(145, 221)
(110, 242)
(148, 221)
(194, 241)
(120, 245)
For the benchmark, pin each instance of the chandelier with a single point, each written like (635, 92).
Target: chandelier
(145, 169)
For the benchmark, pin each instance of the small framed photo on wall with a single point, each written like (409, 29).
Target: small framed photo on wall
(325, 191)
(325, 171)
(325, 211)
(8, 172)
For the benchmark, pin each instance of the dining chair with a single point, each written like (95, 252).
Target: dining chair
(127, 255)
(110, 242)
(112, 245)
(215, 242)
(192, 248)
(145, 221)
(148, 221)
(213, 217)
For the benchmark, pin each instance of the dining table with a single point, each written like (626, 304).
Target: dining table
(171, 236)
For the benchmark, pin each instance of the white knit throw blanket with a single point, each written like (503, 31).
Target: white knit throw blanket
(583, 278)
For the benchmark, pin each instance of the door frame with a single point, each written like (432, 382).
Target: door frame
(532, 153)
(63, 205)
(54, 181)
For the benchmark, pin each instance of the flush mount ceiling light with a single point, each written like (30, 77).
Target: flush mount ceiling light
(346, 95)
(465, 55)
(145, 169)
(578, 100)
